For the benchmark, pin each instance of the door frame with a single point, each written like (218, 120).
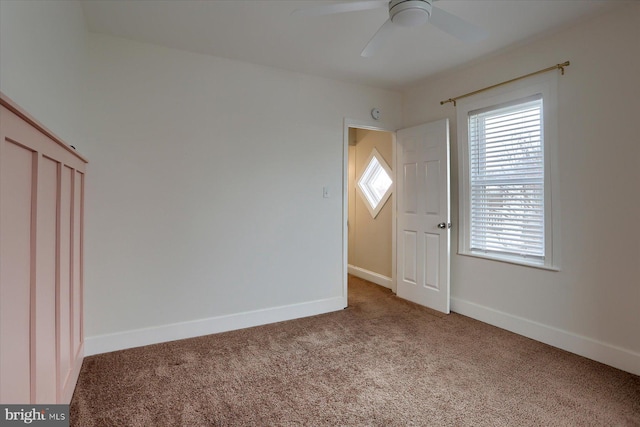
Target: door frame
(369, 125)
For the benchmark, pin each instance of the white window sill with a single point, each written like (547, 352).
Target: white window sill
(512, 260)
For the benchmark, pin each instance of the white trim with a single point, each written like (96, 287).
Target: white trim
(377, 278)
(213, 325)
(516, 261)
(394, 217)
(590, 348)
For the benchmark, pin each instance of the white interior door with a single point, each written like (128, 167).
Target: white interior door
(423, 235)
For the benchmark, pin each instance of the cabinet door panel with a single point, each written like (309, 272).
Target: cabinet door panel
(45, 295)
(17, 165)
(78, 186)
(64, 297)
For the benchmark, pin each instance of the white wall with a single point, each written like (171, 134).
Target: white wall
(592, 305)
(43, 56)
(205, 195)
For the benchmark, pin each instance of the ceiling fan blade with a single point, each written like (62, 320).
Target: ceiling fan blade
(329, 9)
(378, 39)
(457, 27)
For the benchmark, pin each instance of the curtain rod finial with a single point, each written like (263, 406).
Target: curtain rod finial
(561, 66)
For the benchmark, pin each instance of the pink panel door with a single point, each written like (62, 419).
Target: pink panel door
(17, 184)
(78, 185)
(64, 298)
(45, 307)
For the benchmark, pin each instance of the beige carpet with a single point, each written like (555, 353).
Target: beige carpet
(381, 362)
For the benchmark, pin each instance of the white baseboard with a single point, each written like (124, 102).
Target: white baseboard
(376, 278)
(608, 354)
(176, 331)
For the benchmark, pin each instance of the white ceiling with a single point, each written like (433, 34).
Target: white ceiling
(264, 32)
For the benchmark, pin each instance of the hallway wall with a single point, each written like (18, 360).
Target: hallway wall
(369, 238)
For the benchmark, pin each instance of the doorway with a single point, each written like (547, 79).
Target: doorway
(369, 215)
(420, 259)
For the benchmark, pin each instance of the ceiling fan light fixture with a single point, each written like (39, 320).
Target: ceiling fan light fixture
(410, 13)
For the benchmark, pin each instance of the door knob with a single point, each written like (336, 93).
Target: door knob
(444, 225)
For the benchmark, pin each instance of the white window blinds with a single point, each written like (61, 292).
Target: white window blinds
(506, 154)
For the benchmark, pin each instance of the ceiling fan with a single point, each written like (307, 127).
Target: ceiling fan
(404, 13)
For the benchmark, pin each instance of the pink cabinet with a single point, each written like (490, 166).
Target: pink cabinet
(41, 261)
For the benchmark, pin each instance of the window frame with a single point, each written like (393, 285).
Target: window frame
(374, 211)
(544, 85)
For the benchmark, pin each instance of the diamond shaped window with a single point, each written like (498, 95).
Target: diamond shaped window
(375, 184)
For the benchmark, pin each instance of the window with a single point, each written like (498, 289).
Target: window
(506, 202)
(375, 183)
(507, 179)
